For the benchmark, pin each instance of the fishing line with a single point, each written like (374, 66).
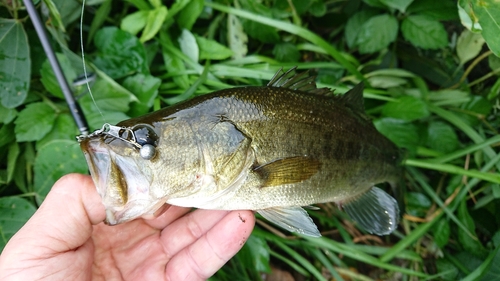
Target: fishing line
(84, 64)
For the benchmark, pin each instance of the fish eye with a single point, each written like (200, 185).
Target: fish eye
(144, 135)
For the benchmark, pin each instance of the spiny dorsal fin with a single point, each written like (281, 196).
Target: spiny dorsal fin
(354, 98)
(300, 82)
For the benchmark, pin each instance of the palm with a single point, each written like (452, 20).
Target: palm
(64, 241)
(162, 246)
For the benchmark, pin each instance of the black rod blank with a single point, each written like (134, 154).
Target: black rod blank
(75, 109)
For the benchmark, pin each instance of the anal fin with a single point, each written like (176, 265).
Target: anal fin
(288, 170)
(375, 211)
(293, 219)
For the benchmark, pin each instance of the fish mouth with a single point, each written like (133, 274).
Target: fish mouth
(121, 181)
(99, 162)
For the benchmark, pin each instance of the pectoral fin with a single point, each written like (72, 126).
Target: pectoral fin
(294, 219)
(375, 211)
(288, 170)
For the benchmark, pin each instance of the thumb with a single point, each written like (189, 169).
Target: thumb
(64, 220)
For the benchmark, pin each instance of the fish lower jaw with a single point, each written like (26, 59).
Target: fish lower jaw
(110, 218)
(134, 210)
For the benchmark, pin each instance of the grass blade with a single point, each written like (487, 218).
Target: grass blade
(294, 29)
(459, 123)
(447, 168)
(305, 263)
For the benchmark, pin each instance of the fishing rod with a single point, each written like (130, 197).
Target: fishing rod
(75, 109)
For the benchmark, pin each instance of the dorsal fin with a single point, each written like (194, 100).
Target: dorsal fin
(297, 81)
(354, 98)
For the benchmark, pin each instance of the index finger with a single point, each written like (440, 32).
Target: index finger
(201, 259)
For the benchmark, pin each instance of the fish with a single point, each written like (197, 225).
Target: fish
(274, 149)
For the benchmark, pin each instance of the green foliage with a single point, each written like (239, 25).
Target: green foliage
(432, 87)
(16, 65)
(15, 212)
(44, 116)
(485, 14)
(424, 32)
(119, 53)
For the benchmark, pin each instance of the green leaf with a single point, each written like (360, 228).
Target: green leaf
(418, 204)
(318, 8)
(7, 134)
(188, 45)
(135, 22)
(12, 155)
(492, 271)
(467, 17)
(495, 188)
(54, 14)
(119, 53)
(354, 25)
(442, 137)
(15, 63)
(173, 63)
(7, 114)
(286, 52)
(438, 10)
(155, 3)
(447, 270)
(69, 10)
(449, 97)
(488, 14)
(470, 244)
(145, 88)
(255, 254)
(54, 160)
(406, 108)
(64, 129)
(140, 4)
(154, 22)
(259, 31)
(442, 232)
(34, 122)
(14, 213)
(386, 82)
(49, 80)
(212, 50)
(424, 32)
(475, 109)
(99, 18)
(109, 100)
(402, 133)
(400, 5)
(375, 3)
(236, 37)
(494, 63)
(469, 45)
(188, 16)
(95, 119)
(377, 33)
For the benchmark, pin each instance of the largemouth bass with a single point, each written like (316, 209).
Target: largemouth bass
(272, 149)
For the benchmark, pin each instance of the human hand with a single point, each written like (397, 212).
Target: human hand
(66, 240)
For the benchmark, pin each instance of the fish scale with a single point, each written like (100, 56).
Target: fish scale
(271, 149)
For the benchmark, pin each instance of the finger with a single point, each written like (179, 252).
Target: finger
(203, 258)
(65, 218)
(188, 229)
(168, 216)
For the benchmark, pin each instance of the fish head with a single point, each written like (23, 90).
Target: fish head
(122, 163)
